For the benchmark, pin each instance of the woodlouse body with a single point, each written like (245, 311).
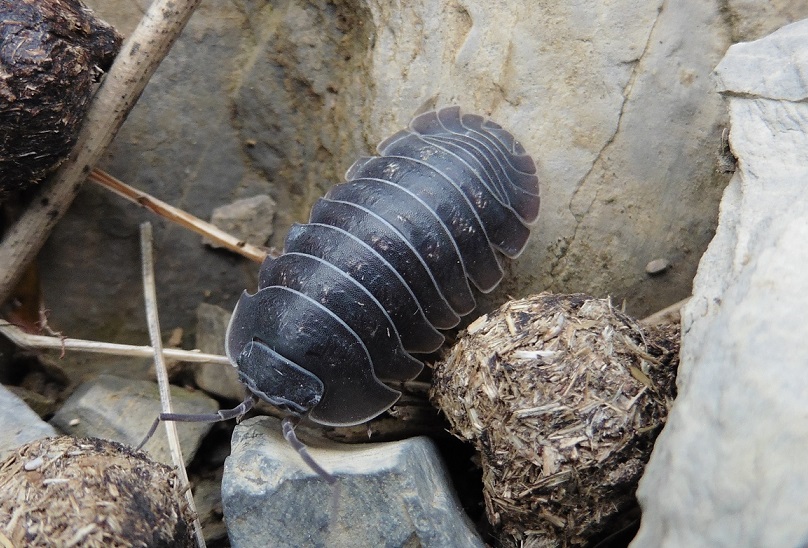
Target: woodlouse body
(383, 263)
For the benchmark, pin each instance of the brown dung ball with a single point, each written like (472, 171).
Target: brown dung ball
(69, 491)
(563, 397)
(52, 53)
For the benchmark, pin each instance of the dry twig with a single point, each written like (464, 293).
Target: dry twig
(150, 296)
(30, 341)
(178, 216)
(134, 66)
(668, 315)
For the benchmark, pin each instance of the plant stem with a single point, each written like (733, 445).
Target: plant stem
(133, 67)
(150, 297)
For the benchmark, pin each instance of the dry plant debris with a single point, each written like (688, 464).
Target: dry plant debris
(68, 491)
(563, 397)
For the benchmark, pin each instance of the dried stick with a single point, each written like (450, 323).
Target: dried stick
(29, 341)
(178, 216)
(150, 296)
(128, 76)
(669, 314)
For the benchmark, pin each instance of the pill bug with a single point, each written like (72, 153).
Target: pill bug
(387, 259)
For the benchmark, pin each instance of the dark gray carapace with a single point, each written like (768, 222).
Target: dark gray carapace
(386, 259)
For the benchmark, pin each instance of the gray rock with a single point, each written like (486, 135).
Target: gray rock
(280, 98)
(728, 469)
(179, 144)
(657, 267)
(214, 378)
(393, 494)
(19, 424)
(122, 410)
(41, 405)
(249, 219)
(768, 68)
(208, 500)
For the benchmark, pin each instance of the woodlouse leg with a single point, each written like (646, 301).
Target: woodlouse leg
(218, 416)
(289, 435)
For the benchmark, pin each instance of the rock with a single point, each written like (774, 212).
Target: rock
(214, 378)
(391, 494)
(657, 267)
(122, 410)
(279, 98)
(724, 471)
(18, 423)
(249, 219)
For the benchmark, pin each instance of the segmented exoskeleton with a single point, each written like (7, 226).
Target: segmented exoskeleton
(386, 260)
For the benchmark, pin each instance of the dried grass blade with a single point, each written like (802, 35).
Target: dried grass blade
(150, 296)
(31, 341)
(176, 215)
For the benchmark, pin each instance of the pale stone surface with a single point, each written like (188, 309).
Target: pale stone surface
(728, 469)
(249, 219)
(122, 410)
(215, 378)
(390, 494)
(18, 423)
(279, 98)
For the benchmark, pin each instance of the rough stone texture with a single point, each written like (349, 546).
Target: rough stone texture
(178, 143)
(208, 500)
(614, 99)
(18, 423)
(727, 469)
(122, 410)
(214, 378)
(249, 219)
(392, 494)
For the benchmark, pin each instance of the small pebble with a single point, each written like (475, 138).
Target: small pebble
(393, 494)
(657, 266)
(33, 464)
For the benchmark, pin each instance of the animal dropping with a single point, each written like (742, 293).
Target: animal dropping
(54, 52)
(574, 392)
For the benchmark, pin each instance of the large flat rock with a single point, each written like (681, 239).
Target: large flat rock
(614, 99)
(728, 469)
